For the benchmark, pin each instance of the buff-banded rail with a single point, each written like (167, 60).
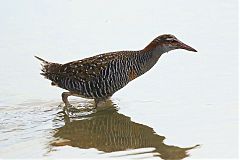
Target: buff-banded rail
(99, 77)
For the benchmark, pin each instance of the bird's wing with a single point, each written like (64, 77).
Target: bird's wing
(88, 68)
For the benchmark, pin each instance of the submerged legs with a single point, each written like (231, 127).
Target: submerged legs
(100, 102)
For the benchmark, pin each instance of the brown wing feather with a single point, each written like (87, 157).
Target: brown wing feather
(87, 68)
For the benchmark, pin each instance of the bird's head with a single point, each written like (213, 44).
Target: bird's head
(168, 42)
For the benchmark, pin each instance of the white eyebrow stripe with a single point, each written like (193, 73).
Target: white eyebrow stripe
(169, 39)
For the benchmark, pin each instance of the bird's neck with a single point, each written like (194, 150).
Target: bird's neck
(153, 56)
(154, 52)
(145, 59)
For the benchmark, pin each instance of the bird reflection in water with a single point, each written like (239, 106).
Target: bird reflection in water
(109, 131)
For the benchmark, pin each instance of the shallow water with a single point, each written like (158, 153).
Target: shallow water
(185, 107)
(36, 130)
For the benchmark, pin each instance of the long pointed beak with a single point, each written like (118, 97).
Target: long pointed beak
(186, 47)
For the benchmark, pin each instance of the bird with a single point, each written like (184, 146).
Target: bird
(100, 76)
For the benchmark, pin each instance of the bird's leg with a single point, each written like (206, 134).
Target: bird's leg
(96, 101)
(64, 98)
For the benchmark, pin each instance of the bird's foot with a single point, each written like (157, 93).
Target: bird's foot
(66, 109)
(103, 104)
(77, 110)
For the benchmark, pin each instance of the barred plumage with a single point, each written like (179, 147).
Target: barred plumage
(100, 76)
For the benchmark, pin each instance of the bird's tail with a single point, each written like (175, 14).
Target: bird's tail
(42, 60)
(48, 68)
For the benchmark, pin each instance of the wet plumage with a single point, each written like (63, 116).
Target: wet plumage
(100, 76)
